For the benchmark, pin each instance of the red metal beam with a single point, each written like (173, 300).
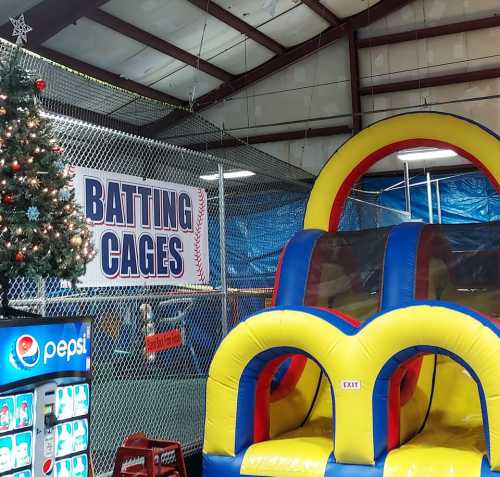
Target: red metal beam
(272, 137)
(234, 22)
(49, 17)
(175, 117)
(106, 76)
(430, 32)
(322, 11)
(381, 9)
(443, 80)
(93, 117)
(355, 83)
(156, 43)
(299, 52)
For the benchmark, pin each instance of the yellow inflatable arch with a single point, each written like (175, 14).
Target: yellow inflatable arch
(367, 356)
(470, 140)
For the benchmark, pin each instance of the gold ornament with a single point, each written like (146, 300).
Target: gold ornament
(3, 111)
(76, 240)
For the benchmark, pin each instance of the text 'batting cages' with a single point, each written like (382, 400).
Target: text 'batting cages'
(248, 220)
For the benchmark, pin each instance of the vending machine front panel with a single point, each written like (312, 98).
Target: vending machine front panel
(45, 397)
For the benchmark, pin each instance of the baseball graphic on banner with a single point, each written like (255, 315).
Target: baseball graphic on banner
(145, 231)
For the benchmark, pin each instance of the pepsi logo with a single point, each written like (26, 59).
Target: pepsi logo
(48, 467)
(26, 352)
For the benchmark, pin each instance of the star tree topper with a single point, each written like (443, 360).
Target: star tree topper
(21, 29)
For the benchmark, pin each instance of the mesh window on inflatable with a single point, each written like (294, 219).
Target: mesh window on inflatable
(346, 272)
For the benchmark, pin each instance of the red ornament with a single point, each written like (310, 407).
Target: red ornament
(20, 256)
(57, 149)
(40, 85)
(8, 199)
(15, 166)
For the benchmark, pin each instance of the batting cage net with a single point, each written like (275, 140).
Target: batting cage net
(134, 387)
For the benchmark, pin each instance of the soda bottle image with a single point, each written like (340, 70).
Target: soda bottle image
(81, 399)
(4, 418)
(63, 468)
(6, 445)
(80, 466)
(23, 449)
(23, 414)
(64, 402)
(80, 432)
(23, 410)
(64, 439)
(6, 413)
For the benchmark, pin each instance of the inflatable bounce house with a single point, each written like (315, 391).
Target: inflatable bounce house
(381, 354)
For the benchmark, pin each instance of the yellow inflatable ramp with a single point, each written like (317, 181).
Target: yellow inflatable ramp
(452, 443)
(292, 454)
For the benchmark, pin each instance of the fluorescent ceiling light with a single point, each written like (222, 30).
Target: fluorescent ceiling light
(423, 154)
(228, 175)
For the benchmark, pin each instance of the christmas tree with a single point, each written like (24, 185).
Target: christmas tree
(42, 230)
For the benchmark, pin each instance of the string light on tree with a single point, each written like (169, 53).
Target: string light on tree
(40, 236)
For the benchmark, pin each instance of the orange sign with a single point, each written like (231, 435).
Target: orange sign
(163, 341)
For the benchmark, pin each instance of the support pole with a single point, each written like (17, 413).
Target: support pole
(429, 198)
(438, 203)
(407, 188)
(4, 285)
(40, 294)
(355, 82)
(222, 248)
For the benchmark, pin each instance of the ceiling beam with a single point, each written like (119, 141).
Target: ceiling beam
(430, 32)
(158, 44)
(49, 17)
(107, 76)
(156, 127)
(271, 137)
(443, 80)
(234, 22)
(93, 117)
(299, 52)
(322, 11)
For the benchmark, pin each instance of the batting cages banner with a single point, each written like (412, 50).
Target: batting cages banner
(145, 231)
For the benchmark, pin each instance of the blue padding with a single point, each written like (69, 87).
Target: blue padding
(400, 265)
(295, 268)
(280, 373)
(222, 466)
(349, 470)
(489, 323)
(486, 469)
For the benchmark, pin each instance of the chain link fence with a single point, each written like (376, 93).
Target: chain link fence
(162, 394)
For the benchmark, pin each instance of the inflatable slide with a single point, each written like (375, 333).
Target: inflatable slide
(380, 356)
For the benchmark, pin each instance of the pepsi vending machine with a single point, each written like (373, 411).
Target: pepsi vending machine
(45, 369)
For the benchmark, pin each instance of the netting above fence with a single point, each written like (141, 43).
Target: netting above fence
(78, 96)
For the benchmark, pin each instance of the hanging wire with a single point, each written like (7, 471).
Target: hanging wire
(311, 98)
(196, 73)
(246, 91)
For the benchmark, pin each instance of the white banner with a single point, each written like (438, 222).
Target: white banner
(145, 231)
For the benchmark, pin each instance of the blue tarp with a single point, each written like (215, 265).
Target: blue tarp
(464, 198)
(258, 225)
